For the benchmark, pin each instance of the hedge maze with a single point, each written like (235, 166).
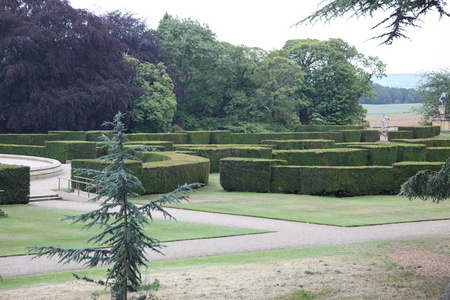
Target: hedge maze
(319, 160)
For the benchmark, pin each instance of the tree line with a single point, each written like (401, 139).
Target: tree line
(393, 95)
(67, 69)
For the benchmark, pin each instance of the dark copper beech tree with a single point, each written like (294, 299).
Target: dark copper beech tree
(60, 68)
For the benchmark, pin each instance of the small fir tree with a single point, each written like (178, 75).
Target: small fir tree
(123, 222)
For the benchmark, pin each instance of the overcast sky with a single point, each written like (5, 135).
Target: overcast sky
(268, 24)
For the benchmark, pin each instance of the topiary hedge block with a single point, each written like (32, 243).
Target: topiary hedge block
(246, 174)
(404, 170)
(198, 137)
(351, 136)
(401, 134)
(220, 137)
(163, 145)
(299, 144)
(427, 142)
(256, 138)
(216, 153)
(370, 135)
(15, 181)
(28, 139)
(70, 135)
(326, 128)
(166, 175)
(347, 181)
(411, 152)
(420, 132)
(285, 179)
(23, 150)
(438, 153)
(323, 157)
(68, 150)
(380, 154)
(176, 138)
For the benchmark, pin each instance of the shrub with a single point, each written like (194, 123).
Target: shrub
(323, 157)
(23, 150)
(380, 154)
(370, 135)
(198, 137)
(246, 174)
(70, 135)
(440, 154)
(326, 128)
(15, 181)
(299, 144)
(420, 132)
(220, 137)
(411, 152)
(28, 139)
(351, 136)
(68, 150)
(404, 170)
(401, 134)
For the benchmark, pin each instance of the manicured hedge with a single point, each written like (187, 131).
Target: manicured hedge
(299, 144)
(23, 150)
(406, 169)
(70, 135)
(28, 139)
(421, 132)
(198, 137)
(215, 153)
(427, 142)
(68, 150)
(220, 137)
(411, 152)
(438, 153)
(351, 136)
(370, 135)
(176, 138)
(325, 128)
(323, 157)
(94, 135)
(165, 145)
(401, 134)
(256, 138)
(246, 174)
(379, 154)
(15, 181)
(333, 181)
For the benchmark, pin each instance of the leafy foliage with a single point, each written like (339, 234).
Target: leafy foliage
(337, 76)
(60, 68)
(121, 220)
(397, 14)
(428, 184)
(392, 95)
(154, 110)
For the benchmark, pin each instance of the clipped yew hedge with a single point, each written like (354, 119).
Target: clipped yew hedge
(411, 152)
(176, 138)
(427, 142)
(370, 135)
(323, 157)
(28, 139)
(438, 153)
(198, 137)
(406, 169)
(15, 181)
(220, 137)
(299, 144)
(421, 132)
(23, 150)
(380, 154)
(333, 181)
(215, 153)
(325, 128)
(246, 174)
(70, 135)
(256, 138)
(68, 150)
(401, 134)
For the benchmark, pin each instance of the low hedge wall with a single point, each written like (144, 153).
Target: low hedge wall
(411, 152)
(28, 139)
(256, 138)
(198, 137)
(325, 128)
(333, 181)
(164, 145)
(370, 135)
(379, 154)
(404, 170)
(68, 150)
(220, 137)
(427, 142)
(299, 144)
(162, 173)
(246, 174)
(351, 136)
(216, 153)
(438, 153)
(421, 132)
(401, 134)
(15, 181)
(323, 157)
(70, 135)
(23, 150)
(176, 138)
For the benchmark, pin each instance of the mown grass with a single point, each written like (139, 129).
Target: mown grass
(27, 225)
(350, 211)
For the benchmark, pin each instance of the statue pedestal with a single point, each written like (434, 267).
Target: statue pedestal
(384, 136)
(441, 118)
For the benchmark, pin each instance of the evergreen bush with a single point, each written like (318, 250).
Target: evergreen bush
(15, 181)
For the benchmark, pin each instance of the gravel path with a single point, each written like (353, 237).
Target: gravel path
(283, 235)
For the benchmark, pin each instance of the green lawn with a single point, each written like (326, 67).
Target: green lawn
(351, 211)
(27, 225)
(391, 109)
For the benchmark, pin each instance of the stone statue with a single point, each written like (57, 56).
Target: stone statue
(384, 122)
(442, 98)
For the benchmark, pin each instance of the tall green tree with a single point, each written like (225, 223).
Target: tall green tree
(154, 110)
(431, 86)
(337, 76)
(397, 14)
(122, 221)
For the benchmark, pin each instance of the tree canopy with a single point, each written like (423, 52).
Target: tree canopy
(397, 14)
(60, 68)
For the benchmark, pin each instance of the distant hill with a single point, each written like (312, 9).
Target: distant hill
(407, 81)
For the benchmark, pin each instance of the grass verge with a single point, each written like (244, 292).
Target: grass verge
(27, 225)
(351, 211)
